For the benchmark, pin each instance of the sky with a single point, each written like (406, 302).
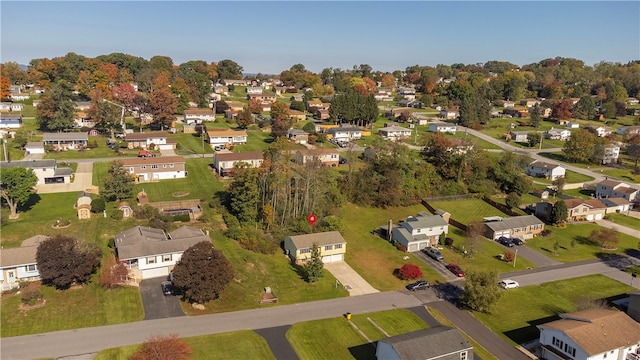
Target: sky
(269, 37)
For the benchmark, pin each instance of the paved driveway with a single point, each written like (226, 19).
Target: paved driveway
(82, 181)
(349, 278)
(156, 304)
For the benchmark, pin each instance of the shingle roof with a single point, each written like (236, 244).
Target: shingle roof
(144, 136)
(422, 222)
(428, 343)
(514, 222)
(226, 132)
(23, 255)
(152, 160)
(544, 165)
(144, 241)
(597, 330)
(321, 239)
(592, 203)
(609, 182)
(65, 136)
(615, 201)
(247, 155)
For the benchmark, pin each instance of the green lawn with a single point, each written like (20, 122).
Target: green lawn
(623, 174)
(234, 345)
(624, 220)
(467, 210)
(337, 339)
(519, 310)
(582, 250)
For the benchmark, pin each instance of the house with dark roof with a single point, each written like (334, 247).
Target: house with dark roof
(224, 136)
(577, 209)
(545, 170)
(435, 343)
(633, 308)
(523, 227)
(331, 244)
(420, 231)
(224, 163)
(151, 253)
(591, 334)
(19, 264)
(345, 133)
(298, 136)
(47, 171)
(612, 188)
(66, 141)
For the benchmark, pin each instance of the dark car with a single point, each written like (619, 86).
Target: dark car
(456, 270)
(505, 241)
(167, 288)
(517, 241)
(418, 285)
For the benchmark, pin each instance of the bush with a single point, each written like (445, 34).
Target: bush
(117, 215)
(92, 144)
(30, 296)
(546, 232)
(98, 205)
(508, 256)
(410, 271)
(400, 247)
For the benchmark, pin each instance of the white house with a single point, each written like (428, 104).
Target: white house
(608, 153)
(19, 97)
(326, 157)
(345, 133)
(198, 115)
(46, 171)
(616, 205)
(298, 136)
(557, 134)
(155, 168)
(331, 244)
(420, 232)
(10, 121)
(150, 253)
(19, 264)
(66, 141)
(616, 189)
(449, 114)
(602, 131)
(573, 125)
(225, 162)
(9, 106)
(443, 127)
(226, 136)
(591, 334)
(519, 136)
(254, 90)
(34, 147)
(394, 132)
(545, 170)
(157, 140)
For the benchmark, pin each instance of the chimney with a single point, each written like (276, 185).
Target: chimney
(389, 228)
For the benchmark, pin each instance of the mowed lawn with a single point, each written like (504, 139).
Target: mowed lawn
(337, 339)
(517, 313)
(467, 210)
(624, 220)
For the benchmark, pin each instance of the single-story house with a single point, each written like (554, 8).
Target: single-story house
(151, 253)
(10, 121)
(235, 82)
(297, 115)
(225, 162)
(545, 170)
(616, 189)
(262, 97)
(254, 90)
(19, 96)
(519, 136)
(573, 125)
(394, 132)
(434, 343)
(449, 114)
(530, 102)
(443, 127)
(66, 141)
(198, 115)
(155, 168)
(345, 133)
(524, 227)
(413, 103)
(419, 232)
(34, 147)
(226, 136)
(504, 103)
(331, 244)
(46, 171)
(10, 106)
(327, 157)
(149, 140)
(298, 136)
(19, 264)
(557, 134)
(629, 130)
(616, 205)
(591, 334)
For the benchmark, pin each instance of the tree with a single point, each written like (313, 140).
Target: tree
(202, 273)
(4, 88)
(579, 147)
(16, 186)
(56, 110)
(112, 273)
(474, 232)
(229, 69)
(119, 183)
(410, 271)
(585, 108)
(163, 347)
(63, 260)
(480, 291)
(533, 138)
(512, 200)
(163, 106)
(559, 213)
(605, 237)
(244, 194)
(559, 183)
(536, 116)
(244, 118)
(633, 149)
(562, 110)
(313, 269)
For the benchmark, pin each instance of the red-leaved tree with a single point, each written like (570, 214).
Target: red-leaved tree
(163, 347)
(410, 271)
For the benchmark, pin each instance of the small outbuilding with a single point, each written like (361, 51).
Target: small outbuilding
(83, 206)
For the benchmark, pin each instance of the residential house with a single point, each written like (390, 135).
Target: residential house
(420, 232)
(322, 114)
(519, 136)
(155, 168)
(220, 89)
(616, 189)
(460, 146)
(545, 170)
(628, 130)
(298, 136)
(151, 140)
(82, 105)
(235, 82)
(34, 147)
(573, 125)
(412, 103)
(394, 132)
(10, 121)
(434, 343)
(504, 103)
(226, 136)
(190, 128)
(523, 227)
(224, 163)
(591, 334)
(407, 93)
(198, 115)
(19, 264)
(151, 253)
(383, 96)
(616, 205)
(443, 127)
(66, 141)
(19, 97)
(331, 244)
(633, 101)
(326, 157)
(254, 90)
(279, 90)
(449, 114)
(262, 97)
(345, 133)
(530, 102)
(600, 131)
(516, 112)
(233, 105)
(393, 113)
(557, 134)
(581, 210)
(10, 106)
(297, 115)
(314, 104)
(46, 171)
(607, 154)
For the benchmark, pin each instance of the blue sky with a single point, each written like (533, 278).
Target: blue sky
(270, 37)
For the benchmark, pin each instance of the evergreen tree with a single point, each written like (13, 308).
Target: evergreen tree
(314, 267)
(559, 212)
(536, 116)
(585, 108)
(119, 184)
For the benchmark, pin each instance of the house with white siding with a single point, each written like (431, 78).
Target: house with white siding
(155, 168)
(326, 157)
(19, 264)
(545, 170)
(156, 140)
(345, 133)
(394, 133)
(226, 136)
(10, 121)
(616, 189)
(224, 163)
(47, 171)
(443, 127)
(198, 115)
(420, 231)
(434, 343)
(66, 141)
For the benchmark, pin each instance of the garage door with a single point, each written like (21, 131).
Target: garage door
(413, 247)
(598, 216)
(590, 217)
(332, 258)
(155, 273)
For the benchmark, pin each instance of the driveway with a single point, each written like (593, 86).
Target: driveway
(156, 304)
(82, 181)
(349, 278)
(438, 266)
(539, 259)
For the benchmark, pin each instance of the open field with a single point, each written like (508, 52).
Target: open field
(467, 210)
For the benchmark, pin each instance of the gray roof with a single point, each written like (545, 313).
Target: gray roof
(422, 222)
(30, 164)
(23, 255)
(428, 343)
(344, 129)
(145, 241)
(514, 222)
(63, 172)
(321, 239)
(65, 136)
(34, 144)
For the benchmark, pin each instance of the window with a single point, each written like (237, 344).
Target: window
(164, 165)
(166, 258)
(328, 247)
(154, 166)
(337, 246)
(131, 169)
(305, 251)
(31, 267)
(151, 260)
(463, 355)
(143, 167)
(170, 165)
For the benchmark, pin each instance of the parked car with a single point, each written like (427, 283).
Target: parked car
(167, 288)
(433, 253)
(219, 147)
(517, 241)
(418, 285)
(505, 241)
(508, 284)
(146, 153)
(456, 270)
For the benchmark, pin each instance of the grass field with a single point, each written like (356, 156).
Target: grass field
(467, 210)
(533, 305)
(624, 220)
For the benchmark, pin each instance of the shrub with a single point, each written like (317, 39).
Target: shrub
(546, 232)
(509, 256)
(410, 271)
(92, 144)
(401, 247)
(98, 205)
(117, 215)
(30, 296)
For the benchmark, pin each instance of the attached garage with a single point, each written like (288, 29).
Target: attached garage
(332, 258)
(155, 273)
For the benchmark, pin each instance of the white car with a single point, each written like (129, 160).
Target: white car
(508, 284)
